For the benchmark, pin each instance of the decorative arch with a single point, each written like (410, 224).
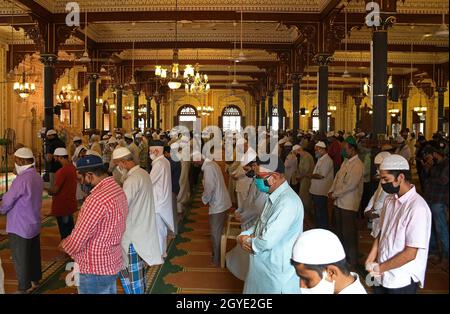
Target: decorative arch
(314, 120)
(187, 110)
(275, 119)
(187, 115)
(231, 118)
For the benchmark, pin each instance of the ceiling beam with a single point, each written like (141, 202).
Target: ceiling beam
(185, 44)
(36, 9)
(402, 18)
(397, 47)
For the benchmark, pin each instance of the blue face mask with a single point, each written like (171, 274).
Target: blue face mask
(262, 184)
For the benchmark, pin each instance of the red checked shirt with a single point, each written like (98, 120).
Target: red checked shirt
(95, 242)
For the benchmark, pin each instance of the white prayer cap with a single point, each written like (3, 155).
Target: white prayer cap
(105, 137)
(94, 137)
(282, 141)
(248, 157)
(394, 162)
(93, 153)
(321, 144)
(400, 139)
(112, 140)
(109, 133)
(128, 135)
(361, 134)
(78, 150)
(51, 132)
(288, 143)
(380, 157)
(120, 152)
(139, 135)
(330, 134)
(61, 151)
(24, 153)
(76, 139)
(318, 247)
(296, 147)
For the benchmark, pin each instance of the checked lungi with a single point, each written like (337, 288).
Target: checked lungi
(133, 277)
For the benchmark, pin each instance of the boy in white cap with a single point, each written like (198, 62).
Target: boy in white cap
(22, 206)
(376, 203)
(64, 201)
(399, 254)
(140, 244)
(319, 260)
(321, 181)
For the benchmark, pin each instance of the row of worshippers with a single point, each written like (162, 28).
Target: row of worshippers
(398, 257)
(122, 225)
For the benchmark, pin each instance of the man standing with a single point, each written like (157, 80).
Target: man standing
(95, 145)
(140, 244)
(304, 170)
(95, 242)
(175, 173)
(334, 151)
(319, 260)
(22, 207)
(216, 196)
(162, 193)
(143, 150)
(346, 191)
(64, 202)
(185, 192)
(53, 142)
(403, 148)
(129, 140)
(321, 181)
(398, 257)
(271, 239)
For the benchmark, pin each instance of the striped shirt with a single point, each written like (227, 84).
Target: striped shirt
(95, 242)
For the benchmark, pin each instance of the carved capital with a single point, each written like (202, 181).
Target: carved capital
(296, 77)
(358, 99)
(93, 77)
(323, 59)
(441, 90)
(49, 60)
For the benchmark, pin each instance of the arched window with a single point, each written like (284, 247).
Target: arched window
(231, 118)
(187, 115)
(106, 117)
(316, 121)
(275, 119)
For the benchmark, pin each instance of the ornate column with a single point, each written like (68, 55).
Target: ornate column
(404, 111)
(49, 61)
(358, 99)
(270, 108)
(441, 116)
(119, 106)
(136, 109)
(158, 113)
(257, 108)
(93, 101)
(280, 107)
(323, 60)
(263, 121)
(296, 78)
(148, 110)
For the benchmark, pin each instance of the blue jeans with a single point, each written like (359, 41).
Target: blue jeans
(440, 230)
(97, 284)
(320, 211)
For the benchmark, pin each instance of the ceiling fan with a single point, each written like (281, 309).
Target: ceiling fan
(443, 28)
(242, 57)
(85, 57)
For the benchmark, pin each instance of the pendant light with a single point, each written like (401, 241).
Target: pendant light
(235, 82)
(411, 83)
(85, 58)
(443, 29)
(174, 81)
(133, 81)
(346, 74)
(11, 73)
(242, 57)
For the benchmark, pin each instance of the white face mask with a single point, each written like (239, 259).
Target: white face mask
(323, 287)
(20, 169)
(153, 156)
(123, 172)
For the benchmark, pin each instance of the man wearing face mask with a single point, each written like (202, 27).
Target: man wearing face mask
(376, 203)
(64, 202)
(398, 258)
(95, 242)
(272, 237)
(175, 173)
(22, 207)
(237, 260)
(346, 191)
(140, 242)
(321, 181)
(162, 193)
(319, 260)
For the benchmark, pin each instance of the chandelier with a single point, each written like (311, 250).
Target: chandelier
(24, 89)
(68, 95)
(393, 112)
(205, 111)
(197, 84)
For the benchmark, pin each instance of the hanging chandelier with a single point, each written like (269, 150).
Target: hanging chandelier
(205, 110)
(24, 89)
(67, 95)
(197, 84)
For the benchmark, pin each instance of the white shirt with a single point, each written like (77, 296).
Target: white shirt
(405, 221)
(243, 182)
(355, 288)
(348, 184)
(215, 192)
(162, 189)
(325, 168)
(141, 219)
(290, 166)
(376, 203)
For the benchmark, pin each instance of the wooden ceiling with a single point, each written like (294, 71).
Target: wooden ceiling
(209, 30)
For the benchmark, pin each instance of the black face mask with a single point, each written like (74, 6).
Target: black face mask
(390, 188)
(250, 174)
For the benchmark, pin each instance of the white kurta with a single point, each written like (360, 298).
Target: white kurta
(215, 192)
(290, 166)
(162, 192)
(242, 185)
(141, 219)
(135, 152)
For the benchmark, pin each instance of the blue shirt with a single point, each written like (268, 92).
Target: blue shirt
(22, 204)
(275, 233)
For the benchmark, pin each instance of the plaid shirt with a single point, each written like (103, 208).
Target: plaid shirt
(435, 187)
(95, 242)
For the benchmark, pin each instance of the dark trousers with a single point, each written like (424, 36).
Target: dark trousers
(26, 254)
(65, 225)
(409, 289)
(347, 232)
(367, 194)
(320, 211)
